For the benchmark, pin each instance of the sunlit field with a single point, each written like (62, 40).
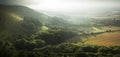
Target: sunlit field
(110, 28)
(105, 39)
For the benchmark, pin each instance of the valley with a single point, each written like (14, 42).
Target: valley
(25, 32)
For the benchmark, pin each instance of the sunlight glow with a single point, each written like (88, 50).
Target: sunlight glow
(73, 7)
(18, 18)
(57, 5)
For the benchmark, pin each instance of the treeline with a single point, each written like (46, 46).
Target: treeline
(107, 22)
(53, 36)
(62, 50)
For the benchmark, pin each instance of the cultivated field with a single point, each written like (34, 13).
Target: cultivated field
(105, 39)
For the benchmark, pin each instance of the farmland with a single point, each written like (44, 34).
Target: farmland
(105, 39)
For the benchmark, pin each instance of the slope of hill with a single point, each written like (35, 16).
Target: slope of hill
(23, 11)
(20, 10)
(26, 12)
(16, 20)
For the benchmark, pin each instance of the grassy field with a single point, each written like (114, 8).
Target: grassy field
(110, 28)
(105, 39)
(105, 28)
(111, 38)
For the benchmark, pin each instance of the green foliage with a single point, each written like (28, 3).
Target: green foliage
(32, 48)
(55, 36)
(105, 50)
(65, 48)
(7, 49)
(31, 25)
(88, 49)
(108, 22)
(29, 44)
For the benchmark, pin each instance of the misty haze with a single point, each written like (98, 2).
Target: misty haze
(59, 28)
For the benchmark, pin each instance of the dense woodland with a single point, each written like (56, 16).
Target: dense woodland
(44, 36)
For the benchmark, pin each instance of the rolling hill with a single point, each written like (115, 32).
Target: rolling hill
(18, 20)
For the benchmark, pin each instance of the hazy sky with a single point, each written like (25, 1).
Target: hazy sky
(70, 7)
